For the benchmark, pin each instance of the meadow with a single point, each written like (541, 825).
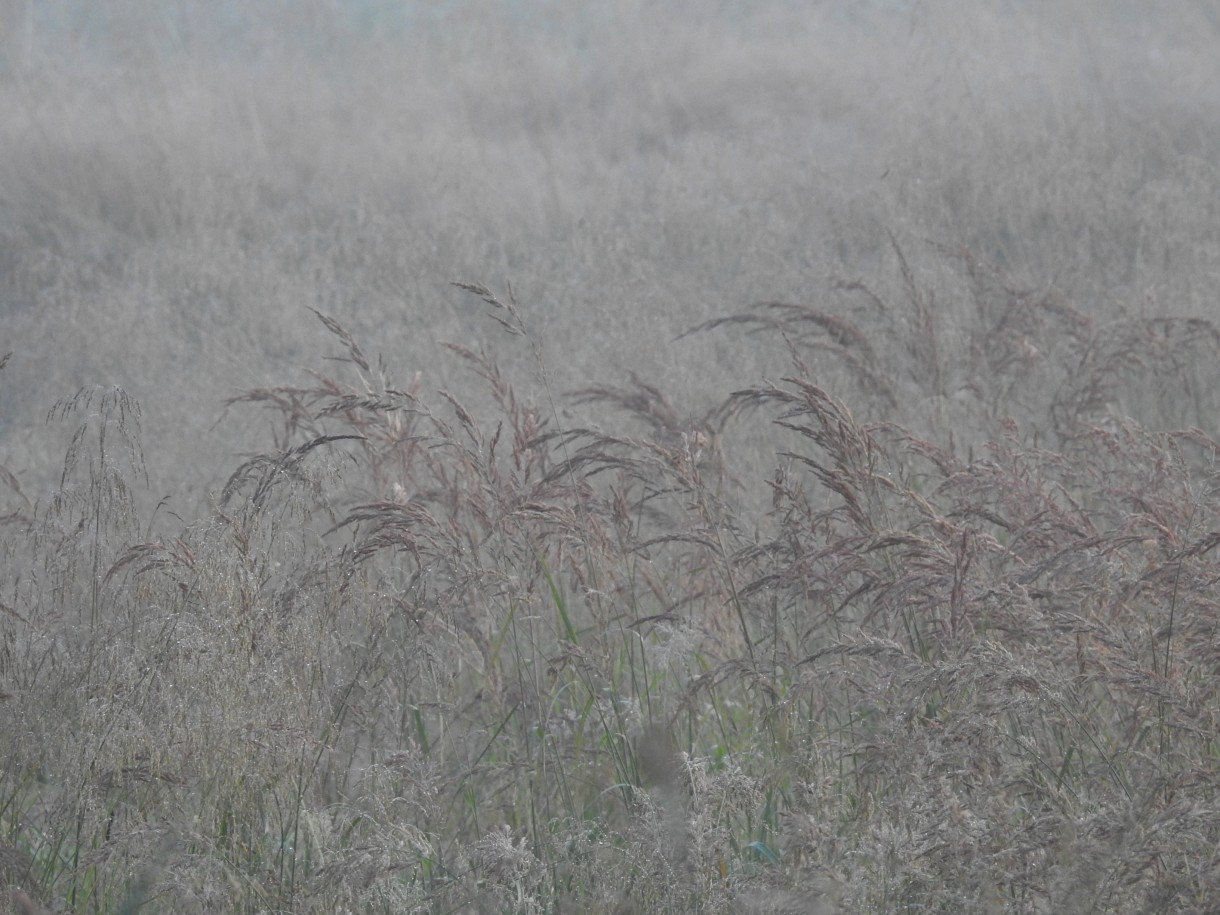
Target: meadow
(521, 458)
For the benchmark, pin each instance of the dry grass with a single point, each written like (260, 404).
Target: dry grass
(424, 658)
(895, 591)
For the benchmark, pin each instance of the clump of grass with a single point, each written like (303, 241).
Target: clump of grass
(425, 654)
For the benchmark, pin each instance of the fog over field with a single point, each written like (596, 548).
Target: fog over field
(181, 182)
(619, 458)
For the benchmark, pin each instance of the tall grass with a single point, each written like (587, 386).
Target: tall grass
(425, 657)
(893, 590)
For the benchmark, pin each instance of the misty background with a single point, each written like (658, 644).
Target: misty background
(181, 182)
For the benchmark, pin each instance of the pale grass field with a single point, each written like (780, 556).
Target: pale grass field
(644, 458)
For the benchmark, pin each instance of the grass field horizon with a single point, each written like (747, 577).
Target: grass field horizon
(645, 458)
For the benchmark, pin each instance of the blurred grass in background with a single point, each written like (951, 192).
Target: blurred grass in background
(182, 181)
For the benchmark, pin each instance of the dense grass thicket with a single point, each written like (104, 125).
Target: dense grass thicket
(511, 458)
